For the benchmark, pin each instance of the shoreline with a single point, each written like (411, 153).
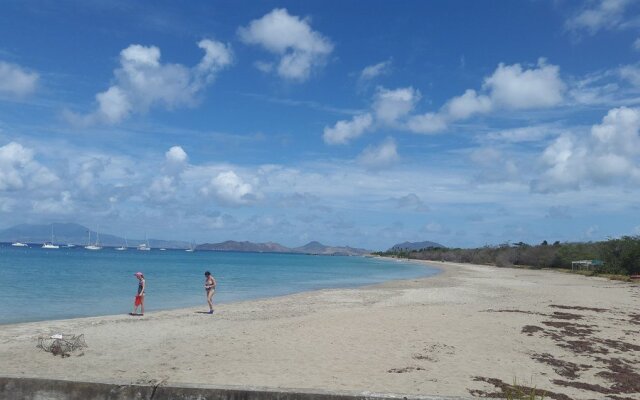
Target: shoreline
(468, 329)
(191, 308)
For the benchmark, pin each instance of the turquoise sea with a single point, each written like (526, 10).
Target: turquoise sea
(38, 284)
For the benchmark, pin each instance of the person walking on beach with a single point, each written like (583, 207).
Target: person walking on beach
(210, 287)
(139, 300)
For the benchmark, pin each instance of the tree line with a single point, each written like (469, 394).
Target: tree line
(620, 255)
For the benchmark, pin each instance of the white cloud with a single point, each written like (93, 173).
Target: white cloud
(143, 82)
(217, 56)
(373, 71)
(62, 204)
(16, 81)
(381, 156)
(13, 160)
(230, 189)
(630, 73)
(427, 123)
(599, 15)
(468, 104)
(162, 188)
(390, 105)
(511, 87)
(176, 154)
(343, 131)
(19, 170)
(525, 134)
(636, 44)
(608, 155)
(300, 48)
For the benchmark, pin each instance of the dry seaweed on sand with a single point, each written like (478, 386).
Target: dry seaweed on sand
(61, 344)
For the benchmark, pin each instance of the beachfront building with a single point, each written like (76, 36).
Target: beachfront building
(586, 264)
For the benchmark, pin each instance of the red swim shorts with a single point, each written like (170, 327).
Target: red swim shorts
(138, 300)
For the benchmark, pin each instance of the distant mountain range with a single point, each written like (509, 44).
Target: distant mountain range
(270, 247)
(69, 233)
(77, 234)
(415, 246)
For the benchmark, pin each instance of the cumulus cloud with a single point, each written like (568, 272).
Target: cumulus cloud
(609, 154)
(229, 188)
(16, 81)
(470, 103)
(381, 156)
(163, 188)
(19, 170)
(176, 154)
(427, 123)
(372, 71)
(300, 49)
(143, 82)
(513, 87)
(391, 105)
(510, 87)
(599, 15)
(343, 131)
(389, 108)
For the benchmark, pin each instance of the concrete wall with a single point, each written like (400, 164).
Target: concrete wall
(15, 388)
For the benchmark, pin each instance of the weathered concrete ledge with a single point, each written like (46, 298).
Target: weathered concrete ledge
(19, 388)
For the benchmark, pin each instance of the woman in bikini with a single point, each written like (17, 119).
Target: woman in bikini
(210, 287)
(139, 300)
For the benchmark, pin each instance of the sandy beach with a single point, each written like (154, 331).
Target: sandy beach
(467, 331)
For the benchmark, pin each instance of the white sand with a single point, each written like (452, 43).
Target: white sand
(423, 336)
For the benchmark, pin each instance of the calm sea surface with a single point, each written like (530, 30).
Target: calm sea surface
(38, 284)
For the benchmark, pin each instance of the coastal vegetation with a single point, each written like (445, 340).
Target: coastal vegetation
(620, 256)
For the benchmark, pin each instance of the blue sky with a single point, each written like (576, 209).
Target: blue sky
(353, 123)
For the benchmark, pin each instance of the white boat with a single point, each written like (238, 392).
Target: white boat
(191, 248)
(50, 245)
(123, 248)
(19, 244)
(144, 247)
(69, 245)
(163, 249)
(94, 246)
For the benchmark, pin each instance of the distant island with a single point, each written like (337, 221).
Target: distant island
(270, 247)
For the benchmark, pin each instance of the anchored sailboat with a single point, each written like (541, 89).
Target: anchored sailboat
(94, 246)
(122, 248)
(50, 245)
(144, 246)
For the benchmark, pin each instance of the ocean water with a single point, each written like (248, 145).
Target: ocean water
(38, 284)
